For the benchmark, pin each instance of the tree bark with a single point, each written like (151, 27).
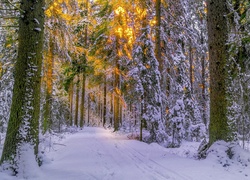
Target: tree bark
(217, 38)
(116, 97)
(158, 37)
(191, 67)
(47, 121)
(71, 94)
(77, 102)
(104, 101)
(82, 108)
(203, 82)
(23, 127)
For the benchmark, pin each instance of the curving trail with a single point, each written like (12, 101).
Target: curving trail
(98, 154)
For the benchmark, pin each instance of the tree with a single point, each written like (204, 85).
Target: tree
(218, 55)
(238, 68)
(146, 75)
(8, 53)
(23, 127)
(58, 34)
(49, 65)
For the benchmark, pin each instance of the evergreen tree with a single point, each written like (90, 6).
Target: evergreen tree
(147, 77)
(218, 55)
(23, 127)
(238, 68)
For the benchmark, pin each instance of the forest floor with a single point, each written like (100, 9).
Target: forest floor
(99, 154)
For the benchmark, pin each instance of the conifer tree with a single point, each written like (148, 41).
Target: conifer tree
(218, 55)
(23, 127)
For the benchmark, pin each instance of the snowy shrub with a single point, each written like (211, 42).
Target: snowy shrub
(228, 154)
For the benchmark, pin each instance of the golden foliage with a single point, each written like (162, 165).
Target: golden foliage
(119, 11)
(118, 91)
(56, 9)
(119, 31)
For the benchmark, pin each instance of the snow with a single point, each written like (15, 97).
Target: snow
(37, 29)
(96, 153)
(28, 167)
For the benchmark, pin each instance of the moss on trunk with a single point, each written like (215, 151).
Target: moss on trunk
(23, 124)
(217, 38)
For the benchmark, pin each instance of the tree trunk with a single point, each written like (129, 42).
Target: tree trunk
(217, 38)
(158, 54)
(104, 101)
(71, 94)
(82, 108)
(23, 127)
(158, 34)
(191, 67)
(203, 83)
(111, 108)
(77, 102)
(116, 99)
(47, 121)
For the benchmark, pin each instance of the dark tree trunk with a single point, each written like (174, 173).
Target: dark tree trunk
(89, 104)
(23, 127)
(77, 102)
(71, 94)
(158, 36)
(191, 67)
(104, 101)
(82, 108)
(111, 108)
(203, 83)
(116, 97)
(217, 38)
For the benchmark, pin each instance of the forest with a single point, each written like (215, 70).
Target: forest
(162, 71)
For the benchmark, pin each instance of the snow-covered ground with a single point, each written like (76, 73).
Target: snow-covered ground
(99, 154)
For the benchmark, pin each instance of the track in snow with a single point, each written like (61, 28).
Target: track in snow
(96, 153)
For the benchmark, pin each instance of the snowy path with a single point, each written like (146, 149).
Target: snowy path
(98, 154)
(95, 153)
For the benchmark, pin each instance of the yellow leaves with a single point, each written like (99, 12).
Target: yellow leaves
(119, 32)
(129, 32)
(119, 11)
(80, 50)
(56, 9)
(117, 71)
(125, 32)
(66, 17)
(119, 53)
(141, 12)
(129, 55)
(130, 35)
(152, 22)
(118, 91)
